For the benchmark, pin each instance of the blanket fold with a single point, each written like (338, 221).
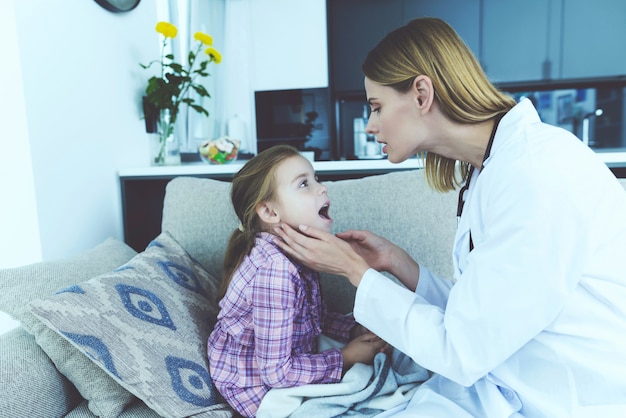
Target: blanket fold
(364, 391)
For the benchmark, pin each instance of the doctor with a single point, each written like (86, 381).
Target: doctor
(534, 322)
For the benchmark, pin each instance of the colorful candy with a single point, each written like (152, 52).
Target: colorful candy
(219, 151)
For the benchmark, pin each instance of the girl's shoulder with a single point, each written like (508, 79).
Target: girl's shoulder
(266, 254)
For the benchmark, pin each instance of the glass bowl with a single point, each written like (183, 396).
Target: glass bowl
(222, 150)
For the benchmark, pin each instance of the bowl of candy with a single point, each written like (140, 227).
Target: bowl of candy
(222, 150)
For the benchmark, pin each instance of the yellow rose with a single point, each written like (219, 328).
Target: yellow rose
(166, 29)
(204, 38)
(214, 54)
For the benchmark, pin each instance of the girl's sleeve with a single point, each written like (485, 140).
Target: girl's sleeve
(274, 300)
(338, 325)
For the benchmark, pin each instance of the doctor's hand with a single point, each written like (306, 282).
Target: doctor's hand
(383, 255)
(375, 250)
(321, 251)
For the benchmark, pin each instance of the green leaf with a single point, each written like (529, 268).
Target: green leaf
(176, 67)
(200, 109)
(200, 90)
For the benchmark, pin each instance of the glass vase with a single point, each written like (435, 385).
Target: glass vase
(165, 146)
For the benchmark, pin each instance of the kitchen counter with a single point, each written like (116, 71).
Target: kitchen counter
(143, 188)
(344, 168)
(323, 168)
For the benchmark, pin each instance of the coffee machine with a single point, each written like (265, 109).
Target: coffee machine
(365, 145)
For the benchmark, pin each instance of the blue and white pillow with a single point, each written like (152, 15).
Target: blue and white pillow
(146, 324)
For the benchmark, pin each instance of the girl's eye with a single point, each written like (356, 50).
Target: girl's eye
(305, 183)
(376, 110)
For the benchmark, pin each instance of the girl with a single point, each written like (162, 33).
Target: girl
(271, 312)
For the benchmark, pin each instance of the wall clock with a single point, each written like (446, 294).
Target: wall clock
(118, 6)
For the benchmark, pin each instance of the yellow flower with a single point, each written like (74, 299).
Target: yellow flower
(214, 54)
(166, 29)
(204, 38)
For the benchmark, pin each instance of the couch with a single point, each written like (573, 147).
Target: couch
(112, 332)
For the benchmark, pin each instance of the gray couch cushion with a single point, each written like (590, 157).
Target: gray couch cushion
(21, 285)
(136, 409)
(198, 213)
(398, 206)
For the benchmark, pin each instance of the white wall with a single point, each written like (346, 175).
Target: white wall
(19, 226)
(71, 71)
(74, 119)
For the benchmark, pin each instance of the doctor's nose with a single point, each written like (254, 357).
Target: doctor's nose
(371, 128)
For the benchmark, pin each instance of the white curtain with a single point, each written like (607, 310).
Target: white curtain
(236, 94)
(230, 87)
(191, 16)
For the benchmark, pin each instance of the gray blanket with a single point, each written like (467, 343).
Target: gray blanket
(364, 391)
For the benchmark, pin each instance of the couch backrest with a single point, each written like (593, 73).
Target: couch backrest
(399, 206)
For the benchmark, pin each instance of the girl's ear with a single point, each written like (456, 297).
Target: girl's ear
(423, 90)
(267, 214)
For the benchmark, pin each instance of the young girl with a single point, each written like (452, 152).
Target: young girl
(272, 312)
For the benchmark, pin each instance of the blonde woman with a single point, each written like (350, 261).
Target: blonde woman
(533, 323)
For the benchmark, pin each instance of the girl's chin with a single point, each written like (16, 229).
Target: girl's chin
(324, 225)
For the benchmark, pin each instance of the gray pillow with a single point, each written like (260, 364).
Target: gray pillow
(146, 324)
(19, 286)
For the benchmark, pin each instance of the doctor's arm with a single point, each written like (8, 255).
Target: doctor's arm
(482, 325)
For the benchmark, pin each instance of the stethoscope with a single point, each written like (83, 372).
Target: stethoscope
(470, 173)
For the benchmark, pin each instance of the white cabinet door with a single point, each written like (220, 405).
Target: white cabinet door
(521, 39)
(289, 44)
(594, 38)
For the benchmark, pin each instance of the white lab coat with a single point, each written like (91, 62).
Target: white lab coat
(535, 322)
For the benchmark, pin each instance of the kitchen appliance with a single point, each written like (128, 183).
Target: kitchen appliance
(287, 116)
(365, 145)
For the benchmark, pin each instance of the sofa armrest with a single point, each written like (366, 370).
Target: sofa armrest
(31, 385)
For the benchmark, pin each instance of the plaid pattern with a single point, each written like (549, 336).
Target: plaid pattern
(267, 329)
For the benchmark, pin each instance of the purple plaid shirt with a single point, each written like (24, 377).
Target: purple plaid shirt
(267, 328)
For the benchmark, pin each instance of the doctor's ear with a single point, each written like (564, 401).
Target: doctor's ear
(422, 87)
(267, 213)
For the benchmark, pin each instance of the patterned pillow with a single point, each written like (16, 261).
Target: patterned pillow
(146, 324)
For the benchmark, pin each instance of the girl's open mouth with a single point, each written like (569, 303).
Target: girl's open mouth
(324, 212)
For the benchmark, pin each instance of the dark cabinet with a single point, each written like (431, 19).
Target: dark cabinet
(356, 26)
(530, 41)
(593, 38)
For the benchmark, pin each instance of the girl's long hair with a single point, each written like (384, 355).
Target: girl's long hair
(431, 47)
(253, 184)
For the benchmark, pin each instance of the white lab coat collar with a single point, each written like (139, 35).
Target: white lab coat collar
(516, 119)
(522, 114)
